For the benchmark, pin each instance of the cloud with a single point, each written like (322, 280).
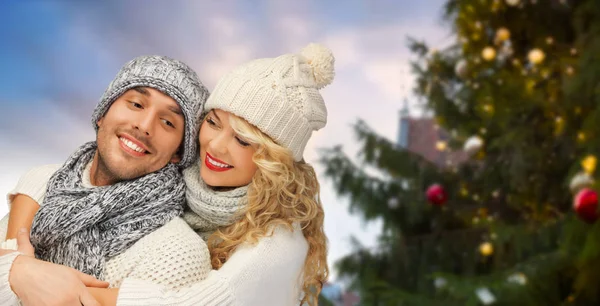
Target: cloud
(213, 37)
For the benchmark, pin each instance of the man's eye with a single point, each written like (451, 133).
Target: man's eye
(167, 122)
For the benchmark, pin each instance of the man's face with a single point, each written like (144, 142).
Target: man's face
(140, 133)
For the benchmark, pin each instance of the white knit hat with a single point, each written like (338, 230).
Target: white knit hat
(280, 96)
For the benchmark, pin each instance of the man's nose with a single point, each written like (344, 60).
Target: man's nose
(145, 123)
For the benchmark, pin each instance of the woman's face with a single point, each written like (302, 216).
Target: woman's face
(225, 157)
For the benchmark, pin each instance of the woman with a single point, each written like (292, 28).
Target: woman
(251, 193)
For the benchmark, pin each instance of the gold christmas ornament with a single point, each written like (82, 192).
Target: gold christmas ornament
(486, 249)
(488, 53)
(502, 34)
(536, 56)
(589, 164)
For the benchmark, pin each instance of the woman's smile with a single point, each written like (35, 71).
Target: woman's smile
(216, 164)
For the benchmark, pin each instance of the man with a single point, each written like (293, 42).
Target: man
(112, 192)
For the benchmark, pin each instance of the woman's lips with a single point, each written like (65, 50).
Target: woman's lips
(216, 164)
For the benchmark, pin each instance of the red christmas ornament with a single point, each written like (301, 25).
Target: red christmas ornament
(436, 195)
(586, 205)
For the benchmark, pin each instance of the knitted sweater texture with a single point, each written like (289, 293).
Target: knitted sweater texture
(151, 258)
(266, 273)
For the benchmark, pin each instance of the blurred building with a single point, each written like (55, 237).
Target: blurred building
(424, 137)
(334, 293)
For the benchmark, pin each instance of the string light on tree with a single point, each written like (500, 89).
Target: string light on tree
(485, 296)
(573, 51)
(461, 68)
(579, 181)
(486, 249)
(439, 282)
(536, 56)
(441, 145)
(517, 278)
(513, 2)
(570, 70)
(473, 144)
(559, 125)
(488, 53)
(393, 203)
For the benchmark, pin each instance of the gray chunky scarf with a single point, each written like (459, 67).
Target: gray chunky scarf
(208, 209)
(83, 227)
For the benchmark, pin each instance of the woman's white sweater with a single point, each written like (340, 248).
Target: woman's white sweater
(171, 266)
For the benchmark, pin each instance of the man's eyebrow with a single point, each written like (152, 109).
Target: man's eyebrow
(142, 90)
(176, 110)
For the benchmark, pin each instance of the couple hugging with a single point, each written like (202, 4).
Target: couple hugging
(184, 198)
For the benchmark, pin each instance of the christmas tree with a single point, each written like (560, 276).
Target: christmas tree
(494, 222)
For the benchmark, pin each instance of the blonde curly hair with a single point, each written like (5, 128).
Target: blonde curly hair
(282, 192)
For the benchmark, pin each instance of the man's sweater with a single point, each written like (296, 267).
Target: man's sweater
(150, 258)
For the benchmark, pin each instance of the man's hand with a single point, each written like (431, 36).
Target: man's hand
(37, 282)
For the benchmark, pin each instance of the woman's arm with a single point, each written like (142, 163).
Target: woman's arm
(25, 198)
(37, 282)
(267, 273)
(21, 215)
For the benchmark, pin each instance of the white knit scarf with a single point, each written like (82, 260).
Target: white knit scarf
(208, 209)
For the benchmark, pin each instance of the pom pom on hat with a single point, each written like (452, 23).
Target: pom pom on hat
(321, 59)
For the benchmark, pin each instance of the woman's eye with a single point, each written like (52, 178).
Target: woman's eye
(243, 143)
(210, 121)
(135, 104)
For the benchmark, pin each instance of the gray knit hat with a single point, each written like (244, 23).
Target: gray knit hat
(280, 96)
(171, 77)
